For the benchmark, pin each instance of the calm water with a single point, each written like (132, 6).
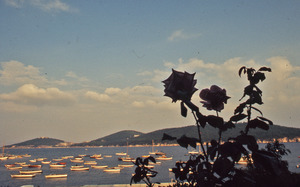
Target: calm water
(98, 176)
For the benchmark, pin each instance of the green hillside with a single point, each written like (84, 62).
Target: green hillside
(208, 133)
(119, 138)
(42, 141)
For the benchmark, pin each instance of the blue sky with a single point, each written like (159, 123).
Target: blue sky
(80, 70)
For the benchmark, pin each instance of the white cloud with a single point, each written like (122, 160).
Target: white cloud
(45, 5)
(30, 94)
(16, 73)
(112, 91)
(180, 35)
(98, 97)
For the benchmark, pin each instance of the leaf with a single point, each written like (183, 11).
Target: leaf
(240, 108)
(202, 120)
(185, 141)
(238, 117)
(215, 121)
(242, 69)
(152, 159)
(168, 137)
(265, 69)
(265, 119)
(183, 109)
(258, 123)
(222, 166)
(227, 125)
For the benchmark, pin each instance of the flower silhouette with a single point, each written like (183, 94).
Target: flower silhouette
(214, 98)
(180, 86)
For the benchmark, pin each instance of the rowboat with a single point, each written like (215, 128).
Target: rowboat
(81, 166)
(41, 159)
(46, 162)
(77, 160)
(20, 163)
(113, 169)
(9, 165)
(90, 163)
(56, 176)
(3, 157)
(57, 159)
(95, 156)
(15, 168)
(30, 171)
(22, 176)
(57, 165)
(99, 167)
(121, 154)
(32, 161)
(164, 158)
(80, 169)
(35, 166)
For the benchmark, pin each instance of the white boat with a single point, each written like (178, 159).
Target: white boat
(81, 166)
(32, 161)
(121, 154)
(77, 160)
(80, 169)
(15, 168)
(22, 176)
(107, 156)
(56, 176)
(57, 159)
(30, 171)
(153, 152)
(3, 158)
(164, 158)
(46, 162)
(90, 163)
(57, 165)
(99, 167)
(113, 169)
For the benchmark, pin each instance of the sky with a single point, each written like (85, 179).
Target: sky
(80, 70)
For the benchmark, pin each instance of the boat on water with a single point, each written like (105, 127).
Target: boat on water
(107, 156)
(113, 169)
(80, 166)
(160, 153)
(46, 162)
(80, 169)
(57, 159)
(30, 171)
(121, 154)
(32, 161)
(96, 156)
(3, 157)
(22, 175)
(77, 160)
(99, 167)
(126, 159)
(35, 166)
(15, 168)
(164, 157)
(153, 152)
(51, 176)
(90, 163)
(57, 165)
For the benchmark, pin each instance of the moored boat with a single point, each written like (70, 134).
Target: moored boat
(22, 175)
(99, 167)
(30, 171)
(121, 154)
(35, 166)
(80, 169)
(15, 168)
(112, 169)
(56, 176)
(163, 157)
(57, 165)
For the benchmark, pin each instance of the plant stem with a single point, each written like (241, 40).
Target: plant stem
(199, 134)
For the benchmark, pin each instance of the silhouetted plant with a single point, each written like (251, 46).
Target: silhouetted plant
(143, 172)
(216, 165)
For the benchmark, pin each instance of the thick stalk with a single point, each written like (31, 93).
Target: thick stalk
(199, 134)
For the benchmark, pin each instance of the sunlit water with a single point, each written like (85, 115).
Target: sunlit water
(98, 176)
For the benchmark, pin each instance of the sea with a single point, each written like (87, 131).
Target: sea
(95, 177)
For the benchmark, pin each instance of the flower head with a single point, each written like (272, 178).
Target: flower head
(180, 86)
(214, 98)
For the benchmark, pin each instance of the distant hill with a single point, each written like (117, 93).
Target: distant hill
(38, 142)
(138, 138)
(119, 138)
(208, 133)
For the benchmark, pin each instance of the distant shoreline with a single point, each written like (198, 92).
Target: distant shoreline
(281, 140)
